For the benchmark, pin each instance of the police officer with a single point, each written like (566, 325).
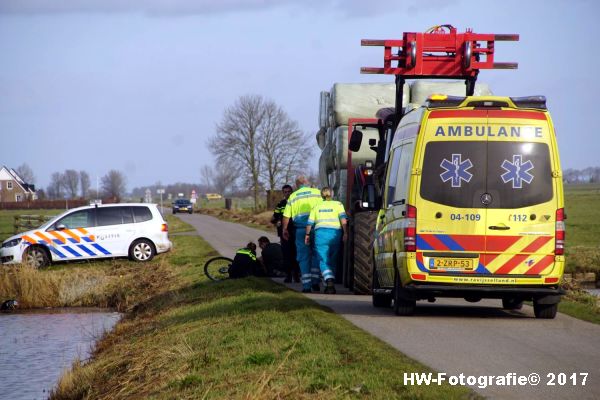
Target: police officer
(329, 219)
(298, 209)
(288, 247)
(245, 263)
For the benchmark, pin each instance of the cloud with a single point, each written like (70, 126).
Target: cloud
(158, 8)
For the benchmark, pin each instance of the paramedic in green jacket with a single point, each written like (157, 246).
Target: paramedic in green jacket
(330, 228)
(298, 209)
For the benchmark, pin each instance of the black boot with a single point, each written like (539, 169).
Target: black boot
(330, 288)
(316, 288)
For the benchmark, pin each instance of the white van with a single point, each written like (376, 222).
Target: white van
(135, 230)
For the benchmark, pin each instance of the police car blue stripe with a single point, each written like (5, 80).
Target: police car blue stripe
(102, 249)
(84, 248)
(73, 241)
(56, 241)
(70, 250)
(58, 253)
(87, 239)
(449, 242)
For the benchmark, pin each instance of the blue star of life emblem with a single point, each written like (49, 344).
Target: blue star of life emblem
(456, 170)
(517, 171)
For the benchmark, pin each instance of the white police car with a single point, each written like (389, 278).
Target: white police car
(135, 230)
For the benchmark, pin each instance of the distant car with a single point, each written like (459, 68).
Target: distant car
(135, 230)
(182, 205)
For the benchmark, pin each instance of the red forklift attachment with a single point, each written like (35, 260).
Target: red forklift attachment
(440, 52)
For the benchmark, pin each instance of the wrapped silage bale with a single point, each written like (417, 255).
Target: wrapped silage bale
(339, 184)
(320, 136)
(324, 110)
(361, 100)
(421, 90)
(323, 172)
(340, 147)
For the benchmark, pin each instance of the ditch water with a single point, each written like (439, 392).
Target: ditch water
(37, 346)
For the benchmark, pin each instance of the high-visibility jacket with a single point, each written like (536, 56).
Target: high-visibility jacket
(300, 203)
(327, 214)
(244, 264)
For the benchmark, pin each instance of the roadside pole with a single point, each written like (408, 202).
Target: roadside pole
(161, 192)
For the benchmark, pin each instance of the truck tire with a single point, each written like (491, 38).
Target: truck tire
(364, 229)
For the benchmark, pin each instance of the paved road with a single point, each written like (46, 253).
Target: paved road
(456, 337)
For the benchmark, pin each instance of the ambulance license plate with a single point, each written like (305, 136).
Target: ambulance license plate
(463, 264)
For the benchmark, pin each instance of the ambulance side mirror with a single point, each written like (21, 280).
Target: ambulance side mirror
(355, 140)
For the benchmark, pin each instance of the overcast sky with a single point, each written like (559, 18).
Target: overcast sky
(139, 86)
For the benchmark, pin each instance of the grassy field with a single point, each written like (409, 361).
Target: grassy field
(190, 338)
(582, 206)
(7, 219)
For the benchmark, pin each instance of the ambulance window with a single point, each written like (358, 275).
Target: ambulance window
(519, 174)
(78, 219)
(454, 173)
(403, 171)
(109, 216)
(142, 214)
(393, 176)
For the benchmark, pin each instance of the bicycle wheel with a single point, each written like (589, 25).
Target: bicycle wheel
(217, 268)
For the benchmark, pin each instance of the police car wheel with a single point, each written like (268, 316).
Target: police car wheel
(36, 257)
(142, 250)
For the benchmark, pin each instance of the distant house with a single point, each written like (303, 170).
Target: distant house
(13, 188)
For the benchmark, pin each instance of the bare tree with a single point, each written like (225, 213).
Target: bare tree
(55, 188)
(207, 175)
(70, 180)
(224, 178)
(26, 173)
(236, 144)
(113, 184)
(84, 180)
(283, 147)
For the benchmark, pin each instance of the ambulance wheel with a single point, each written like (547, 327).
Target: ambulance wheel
(512, 304)
(402, 306)
(380, 300)
(142, 250)
(36, 257)
(545, 311)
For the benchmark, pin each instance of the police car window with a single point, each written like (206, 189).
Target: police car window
(78, 219)
(127, 215)
(109, 216)
(404, 168)
(393, 176)
(454, 173)
(519, 174)
(141, 214)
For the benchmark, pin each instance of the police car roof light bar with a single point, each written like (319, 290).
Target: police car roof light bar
(440, 53)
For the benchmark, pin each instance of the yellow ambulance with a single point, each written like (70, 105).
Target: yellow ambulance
(472, 206)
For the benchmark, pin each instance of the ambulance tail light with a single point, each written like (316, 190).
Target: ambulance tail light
(164, 228)
(410, 229)
(559, 234)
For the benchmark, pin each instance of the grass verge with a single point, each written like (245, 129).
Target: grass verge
(248, 338)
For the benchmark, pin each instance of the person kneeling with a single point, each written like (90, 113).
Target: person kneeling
(245, 263)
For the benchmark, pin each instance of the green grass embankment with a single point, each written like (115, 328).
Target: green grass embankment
(248, 338)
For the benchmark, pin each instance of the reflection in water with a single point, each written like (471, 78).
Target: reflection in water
(35, 347)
